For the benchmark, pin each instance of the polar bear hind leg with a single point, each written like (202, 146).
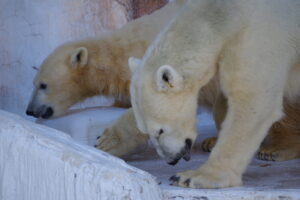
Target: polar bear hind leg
(283, 140)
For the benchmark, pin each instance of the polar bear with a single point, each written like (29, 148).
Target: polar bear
(86, 68)
(253, 48)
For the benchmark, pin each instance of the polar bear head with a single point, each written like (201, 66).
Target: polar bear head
(164, 104)
(56, 85)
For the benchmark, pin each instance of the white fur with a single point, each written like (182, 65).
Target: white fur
(254, 47)
(123, 138)
(134, 63)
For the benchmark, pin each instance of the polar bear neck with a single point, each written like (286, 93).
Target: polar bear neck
(107, 72)
(95, 81)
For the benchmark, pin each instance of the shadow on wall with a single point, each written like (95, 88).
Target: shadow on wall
(30, 30)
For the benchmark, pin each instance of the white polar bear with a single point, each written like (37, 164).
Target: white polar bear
(253, 47)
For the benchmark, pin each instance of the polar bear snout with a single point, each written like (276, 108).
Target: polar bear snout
(42, 111)
(185, 153)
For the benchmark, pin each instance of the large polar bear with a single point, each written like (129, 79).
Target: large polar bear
(253, 48)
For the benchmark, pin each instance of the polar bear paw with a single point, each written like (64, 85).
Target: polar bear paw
(208, 144)
(206, 177)
(281, 144)
(276, 153)
(110, 142)
(121, 143)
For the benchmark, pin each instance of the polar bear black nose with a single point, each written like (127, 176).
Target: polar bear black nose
(185, 152)
(29, 112)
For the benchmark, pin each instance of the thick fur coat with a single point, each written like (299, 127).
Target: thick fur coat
(253, 48)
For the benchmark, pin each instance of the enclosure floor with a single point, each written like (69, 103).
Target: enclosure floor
(262, 180)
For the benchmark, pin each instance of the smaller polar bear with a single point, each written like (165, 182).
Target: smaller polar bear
(253, 48)
(86, 68)
(81, 69)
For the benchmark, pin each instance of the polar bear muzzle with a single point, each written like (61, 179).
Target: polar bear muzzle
(185, 153)
(43, 111)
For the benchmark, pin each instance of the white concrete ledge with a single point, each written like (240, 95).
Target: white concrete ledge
(40, 163)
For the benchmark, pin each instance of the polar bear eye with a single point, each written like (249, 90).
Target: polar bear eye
(159, 133)
(43, 86)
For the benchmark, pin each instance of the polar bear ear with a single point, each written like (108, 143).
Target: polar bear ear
(168, 79)
(79, 57)
(134, 63)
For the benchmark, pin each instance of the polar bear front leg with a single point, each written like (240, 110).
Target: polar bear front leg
(123, 138)
(254, 103)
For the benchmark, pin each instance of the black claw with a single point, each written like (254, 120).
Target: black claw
(259, 156)
(266, 156)
(95, 145)
(174, 178)
(98, 137)
(187, 182)
(274, 156)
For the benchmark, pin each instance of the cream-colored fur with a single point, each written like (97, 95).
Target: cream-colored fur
(123, 138)
(85, 68)
(283, 139)
(253, 47)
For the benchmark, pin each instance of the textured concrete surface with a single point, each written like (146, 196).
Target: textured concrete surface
(40, 163)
